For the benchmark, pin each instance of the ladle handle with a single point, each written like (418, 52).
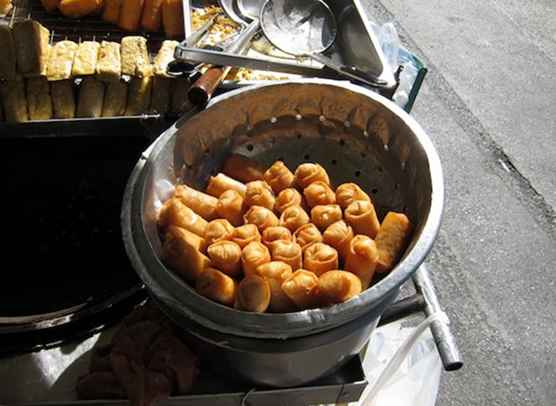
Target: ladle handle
(350, 72)
(202, 90)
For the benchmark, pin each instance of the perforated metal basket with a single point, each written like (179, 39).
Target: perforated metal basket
(354, 133)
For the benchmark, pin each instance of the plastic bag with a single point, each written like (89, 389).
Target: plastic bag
(415, 380)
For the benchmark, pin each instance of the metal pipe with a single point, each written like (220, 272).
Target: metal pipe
(445, 340)
(403, 308)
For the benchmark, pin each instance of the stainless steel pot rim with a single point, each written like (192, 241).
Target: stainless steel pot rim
(296, 324)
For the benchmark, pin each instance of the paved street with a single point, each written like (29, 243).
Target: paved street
(489, 104)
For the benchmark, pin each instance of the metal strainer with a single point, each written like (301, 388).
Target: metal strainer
(357, 135)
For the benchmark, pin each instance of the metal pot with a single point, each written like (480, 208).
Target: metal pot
(356, 135)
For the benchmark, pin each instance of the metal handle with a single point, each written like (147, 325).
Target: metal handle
(349, 71)
(445, 340)
(244, 38)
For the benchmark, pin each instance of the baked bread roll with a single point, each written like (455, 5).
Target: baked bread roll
(258, 193)
(362, 259)
(32, 49)
(361, 215)
(175, 213)
(85, 59)
(305, 174)
(218, 230)
(276, 233)
(320, 258)
(391, 240)
(324, 216)
(226, 256)
(230, 207)
(91, 96)
(293, 218)
(79, 8)
(306, 235)
(135, 55)
(339, 236)
(164, 56)
(347, 193)
(287, 198)
(302, 288)
(279, 177)
(7, 53)
(63, 98)
(276, 273)
(14, 101)
(319, 193)
(139, 95)
(111, 11)
(115, 99)
(130, 15)
(109, 65)
(181, 253)
(172, 18)
(60, 60)
(338, 287)
(245, 234)
(39, 102)
(253, 294)
(252, 256)
(152, 15)
(220, 183)
(261, 217)
(201, 203)
(288, 252)
(242, 168)
(217, 286)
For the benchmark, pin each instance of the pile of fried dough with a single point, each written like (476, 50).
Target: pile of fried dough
(278, 241)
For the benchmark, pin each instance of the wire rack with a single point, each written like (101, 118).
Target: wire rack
(90, 28)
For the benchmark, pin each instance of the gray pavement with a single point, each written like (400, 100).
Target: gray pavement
(489, 104)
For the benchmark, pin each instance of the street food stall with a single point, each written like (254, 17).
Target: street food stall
(213, 202)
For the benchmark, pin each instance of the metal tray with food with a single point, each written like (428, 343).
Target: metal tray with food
(352, 27)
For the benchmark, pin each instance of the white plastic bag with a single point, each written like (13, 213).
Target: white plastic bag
(414, 381)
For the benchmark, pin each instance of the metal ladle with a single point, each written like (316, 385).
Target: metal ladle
(305, 29)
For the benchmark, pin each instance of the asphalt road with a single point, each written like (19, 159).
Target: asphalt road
(489, 104)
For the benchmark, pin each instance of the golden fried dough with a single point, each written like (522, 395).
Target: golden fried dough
(287, 198)
(253, 294)
(258, 193)
(320, 258)
(347, 193)
(253, 255)
(361, 215)
(319, 193)
(220, 183)
(391, 240)
(324, 216)
(362, 258)
(305, 174)
(306, 235)
(225, 256)
(261, 217)
(302, 288)
(338, 286)
(279, 177)
(217, 286)
(293, 218)
(217, 230)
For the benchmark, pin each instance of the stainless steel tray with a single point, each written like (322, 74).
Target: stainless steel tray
(356, 45)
